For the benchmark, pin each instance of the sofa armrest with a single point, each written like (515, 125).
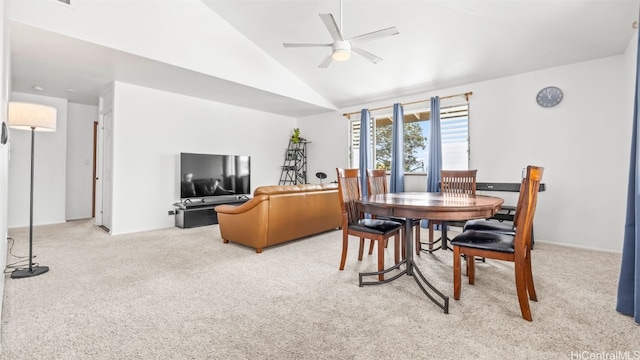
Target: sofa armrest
(245, 224)
(239, 209)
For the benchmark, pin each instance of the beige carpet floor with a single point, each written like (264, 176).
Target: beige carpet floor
(183, 294)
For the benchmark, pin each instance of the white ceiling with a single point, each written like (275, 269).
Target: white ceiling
(441, 44)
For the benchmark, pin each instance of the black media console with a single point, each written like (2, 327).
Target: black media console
(191, 214)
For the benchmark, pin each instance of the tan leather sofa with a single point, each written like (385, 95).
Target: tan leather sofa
(277, 214)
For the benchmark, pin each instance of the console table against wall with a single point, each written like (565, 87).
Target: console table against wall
(510, 187)
(200, 213)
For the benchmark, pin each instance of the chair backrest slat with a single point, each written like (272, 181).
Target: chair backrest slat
(458, 181)
(377, 181)
(349, 191)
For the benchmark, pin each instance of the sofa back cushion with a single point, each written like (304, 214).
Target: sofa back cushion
(287, 189)
(297, 215)
(297, 211)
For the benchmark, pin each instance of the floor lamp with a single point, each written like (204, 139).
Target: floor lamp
(34, 117)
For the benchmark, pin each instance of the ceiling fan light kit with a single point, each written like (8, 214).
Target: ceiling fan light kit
(341, 51)
(341, 47)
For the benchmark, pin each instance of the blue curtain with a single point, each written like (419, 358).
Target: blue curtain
(629, 284)
(365, 149)
(435, 148)
(396, 183)
(435, 152)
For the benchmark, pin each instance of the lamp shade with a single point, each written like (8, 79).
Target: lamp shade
(27, 116)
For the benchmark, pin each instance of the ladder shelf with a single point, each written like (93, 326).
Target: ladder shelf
(294, 169)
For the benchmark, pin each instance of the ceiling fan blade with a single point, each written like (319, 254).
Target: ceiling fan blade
(327, 60)
(304, 45)
(374, 35)
(331, 25)
(374, 59)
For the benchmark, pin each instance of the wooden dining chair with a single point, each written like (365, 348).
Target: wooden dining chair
(462, 182)
(495, 245)
(498, 226)
(377, 184)
(355, 224)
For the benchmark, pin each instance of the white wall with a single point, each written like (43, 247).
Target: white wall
(49, 171)
(583, 143)
(329, 136)
(631, 61)
(152, 127)
(80, 160)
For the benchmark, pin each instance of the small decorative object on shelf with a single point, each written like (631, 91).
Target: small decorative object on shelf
(295, 137)
(294, 169)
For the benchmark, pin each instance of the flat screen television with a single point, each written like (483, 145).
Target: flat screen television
(213, 175)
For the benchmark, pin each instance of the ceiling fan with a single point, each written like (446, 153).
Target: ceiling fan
(340, 47)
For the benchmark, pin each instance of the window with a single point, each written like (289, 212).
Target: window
(454, 122)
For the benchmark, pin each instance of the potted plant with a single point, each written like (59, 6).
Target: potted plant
(295, 137)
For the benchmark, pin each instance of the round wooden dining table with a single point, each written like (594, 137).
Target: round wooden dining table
(424, 205)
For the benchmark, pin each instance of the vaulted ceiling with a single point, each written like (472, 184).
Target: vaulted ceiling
(440, 44)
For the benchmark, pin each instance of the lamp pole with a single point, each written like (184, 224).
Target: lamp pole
(33, 137)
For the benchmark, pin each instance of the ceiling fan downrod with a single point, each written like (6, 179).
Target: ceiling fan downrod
(341, 17)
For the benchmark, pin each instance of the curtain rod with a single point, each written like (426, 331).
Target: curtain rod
(466, 95)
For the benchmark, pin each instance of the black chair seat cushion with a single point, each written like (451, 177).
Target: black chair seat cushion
(488, 225)
(399, 220)
(485, 240)
(375, 226)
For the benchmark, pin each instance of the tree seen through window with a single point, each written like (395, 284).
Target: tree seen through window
(454, 125)
(414, 140)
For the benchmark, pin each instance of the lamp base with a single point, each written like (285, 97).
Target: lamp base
(24, 273)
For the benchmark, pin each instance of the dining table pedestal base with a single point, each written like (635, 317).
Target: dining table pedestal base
(442, 302)
(424, 205)
(410, 269)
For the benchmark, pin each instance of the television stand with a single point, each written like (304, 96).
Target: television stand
(201, 213)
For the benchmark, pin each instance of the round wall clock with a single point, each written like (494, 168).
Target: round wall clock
(549, 96)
